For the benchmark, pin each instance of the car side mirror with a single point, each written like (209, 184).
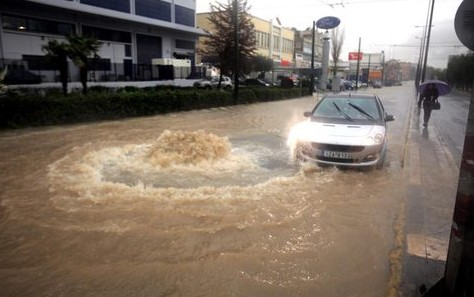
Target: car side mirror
(307, 114)
(389, 118)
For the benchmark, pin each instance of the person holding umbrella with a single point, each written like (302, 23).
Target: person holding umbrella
(430, 90)
(428, 97)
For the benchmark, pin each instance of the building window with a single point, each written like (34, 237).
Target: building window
(262, 39)
(184, 16)
(128, 50)
(155, 9)
(117, 5)
(288, 45)
(185, 44)
(148, 48)
(107, 35)
(276, 42)
(25, 24)
(99, 64)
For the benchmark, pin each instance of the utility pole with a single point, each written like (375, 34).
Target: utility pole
(236, 43)
(358, 65)
(383, 68)
(368, 72)
(427, 46)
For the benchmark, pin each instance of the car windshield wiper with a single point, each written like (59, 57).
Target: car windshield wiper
(341, 112)
(361, 111)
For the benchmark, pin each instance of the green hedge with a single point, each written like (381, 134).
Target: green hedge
(36, 109)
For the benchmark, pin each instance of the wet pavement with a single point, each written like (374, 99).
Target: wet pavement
(106, 209)
(432, 167)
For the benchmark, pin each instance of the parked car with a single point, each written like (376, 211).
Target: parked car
(213, 83)
(255, 82)
(377, 84)
(287, 82)
(344, 85)
(359, 84)
(20, 77)
(343, 130)
(347, 85)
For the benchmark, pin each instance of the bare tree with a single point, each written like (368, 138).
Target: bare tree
(337, 43)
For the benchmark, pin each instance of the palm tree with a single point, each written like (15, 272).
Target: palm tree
(81, 48)
(58, 52)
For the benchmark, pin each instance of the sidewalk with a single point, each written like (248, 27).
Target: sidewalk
(119, 84)
(432, 182)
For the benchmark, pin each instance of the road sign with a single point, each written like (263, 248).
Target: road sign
(328, 22)
(355, 56)
(464, 23)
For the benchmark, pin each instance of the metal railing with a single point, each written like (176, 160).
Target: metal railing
(24, 72)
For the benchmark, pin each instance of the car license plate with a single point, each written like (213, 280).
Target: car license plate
(337, 155)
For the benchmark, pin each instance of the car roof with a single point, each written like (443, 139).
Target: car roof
(351, 95)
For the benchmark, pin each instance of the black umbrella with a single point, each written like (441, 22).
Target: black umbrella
(442, 87)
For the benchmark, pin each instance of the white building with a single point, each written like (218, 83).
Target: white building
(132, 32)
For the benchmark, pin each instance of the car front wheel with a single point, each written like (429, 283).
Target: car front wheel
(381, 161)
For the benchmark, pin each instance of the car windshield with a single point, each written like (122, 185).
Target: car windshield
(347, 108)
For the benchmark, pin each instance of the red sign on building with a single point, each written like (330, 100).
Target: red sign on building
(355, 56)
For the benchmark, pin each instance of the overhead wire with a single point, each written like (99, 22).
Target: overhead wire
(333, 5)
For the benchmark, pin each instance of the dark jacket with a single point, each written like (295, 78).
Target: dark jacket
(430, 95)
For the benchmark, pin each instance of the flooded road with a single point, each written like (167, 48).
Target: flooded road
(201, 203)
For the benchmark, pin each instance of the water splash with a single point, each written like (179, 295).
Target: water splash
(182, 147)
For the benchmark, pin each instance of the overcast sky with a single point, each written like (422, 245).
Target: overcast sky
(382, 25)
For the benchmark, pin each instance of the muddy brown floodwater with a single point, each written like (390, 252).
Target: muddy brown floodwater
(202, 203)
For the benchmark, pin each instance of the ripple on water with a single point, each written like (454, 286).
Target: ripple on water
(204, 177)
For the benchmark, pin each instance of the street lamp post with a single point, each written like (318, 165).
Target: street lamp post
(326, 23)
(312, 60)
(325, 61)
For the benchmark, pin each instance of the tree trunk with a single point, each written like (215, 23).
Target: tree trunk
(83, 78)
(63, 75)
(220, 79)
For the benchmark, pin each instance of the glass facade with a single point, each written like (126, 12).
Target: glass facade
(107, 35)
(148, 48)
(39, 62)
(185, 44)
(117, 5)
(99, 64)
(26, 24)
(155, 9)
(184, 16)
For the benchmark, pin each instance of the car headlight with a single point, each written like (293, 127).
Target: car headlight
(375, 139)
(378, 138)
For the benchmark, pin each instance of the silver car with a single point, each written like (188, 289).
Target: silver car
(343, 130)
(226, 83)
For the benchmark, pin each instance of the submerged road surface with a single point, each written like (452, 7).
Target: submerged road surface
(201, 203)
